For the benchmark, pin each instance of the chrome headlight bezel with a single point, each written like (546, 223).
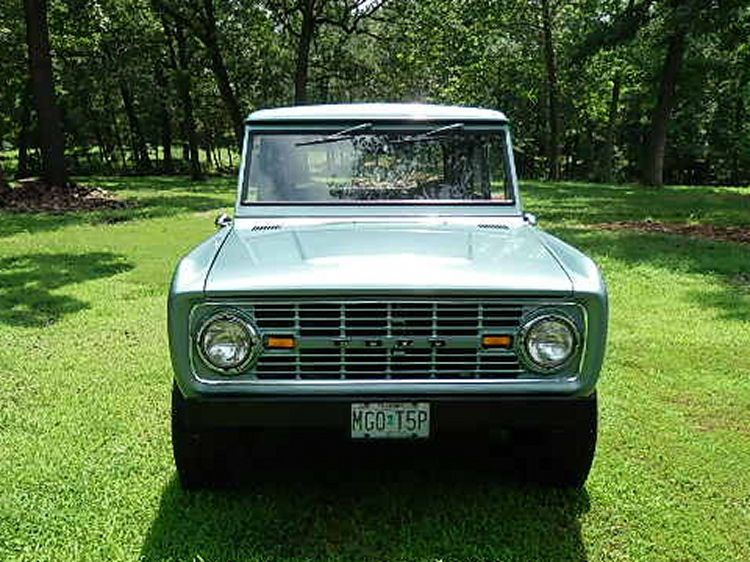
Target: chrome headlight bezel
(522, 342)
(251, 333)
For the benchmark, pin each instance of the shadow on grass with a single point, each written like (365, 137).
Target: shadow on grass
(327, 499)
(28, 282)
(152, 197)
(146, 207)
(212, 184)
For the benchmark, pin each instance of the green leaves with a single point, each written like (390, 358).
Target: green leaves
(472, 52)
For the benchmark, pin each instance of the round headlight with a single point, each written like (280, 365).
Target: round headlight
(228, 343)
(549, 342)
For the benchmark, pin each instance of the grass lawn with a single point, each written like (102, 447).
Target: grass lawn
(85, 454)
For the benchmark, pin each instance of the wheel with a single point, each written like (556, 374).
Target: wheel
(200, 456)
(561, 457)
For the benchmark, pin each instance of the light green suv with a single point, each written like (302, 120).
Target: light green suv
(381, 279)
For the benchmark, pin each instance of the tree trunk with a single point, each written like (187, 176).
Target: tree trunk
(4, 187)
(653, 173)
(217, 157)
(51, 135)
(219, 68)
(166, 140)
(100, 144)
(738, 175)
(213, 153)
(303, 53)
(175, 63)
(138, 142)
(608, 154)
(89, 161)
(23, 170)
(118, 143)
(209, 155)
(553, 150)
(182, 75)
(166, 122)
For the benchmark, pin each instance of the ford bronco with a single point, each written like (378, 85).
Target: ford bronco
(380, 278)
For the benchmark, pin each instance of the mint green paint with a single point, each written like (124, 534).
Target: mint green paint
(371, 250)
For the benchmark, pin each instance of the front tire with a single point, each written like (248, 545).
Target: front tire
(200, 456)
(561, 457)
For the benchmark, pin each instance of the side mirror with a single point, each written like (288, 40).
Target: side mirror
(530, 218)
(223, 220)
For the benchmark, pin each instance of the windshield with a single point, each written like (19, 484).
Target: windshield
(445, 164)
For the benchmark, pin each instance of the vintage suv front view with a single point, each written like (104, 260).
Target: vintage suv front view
(381, 279)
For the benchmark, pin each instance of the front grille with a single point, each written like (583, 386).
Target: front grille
(389, 319)
(406, 340)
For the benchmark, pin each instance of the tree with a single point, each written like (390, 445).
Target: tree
(199, 17)
(24, 128)
(553, 114)
(302, 19)
(649, 90)
(51, 136)
(677, 21)
(165, 118)
(137, 139)
(653, 172)
(4, 187)
(608, 151)
(179, 58)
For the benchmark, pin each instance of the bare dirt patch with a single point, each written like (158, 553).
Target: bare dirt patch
(737, 234)
(706, 414)
(33, 196)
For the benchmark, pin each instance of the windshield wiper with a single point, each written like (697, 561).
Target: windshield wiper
(335, 137)
(434, 134)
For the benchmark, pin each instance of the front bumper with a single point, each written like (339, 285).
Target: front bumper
(448, 413)
(318, 390)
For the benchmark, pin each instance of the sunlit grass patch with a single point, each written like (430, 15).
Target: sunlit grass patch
(84, 415)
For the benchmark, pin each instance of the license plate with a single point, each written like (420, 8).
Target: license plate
(390, 420)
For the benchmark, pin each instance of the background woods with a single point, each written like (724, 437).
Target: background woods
(607, 90)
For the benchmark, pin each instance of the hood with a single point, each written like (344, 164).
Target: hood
(357, 257)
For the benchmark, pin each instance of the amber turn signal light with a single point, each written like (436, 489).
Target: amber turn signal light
(496, 341)
(280, 342)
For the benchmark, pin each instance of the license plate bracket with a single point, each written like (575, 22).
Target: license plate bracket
(390, 420)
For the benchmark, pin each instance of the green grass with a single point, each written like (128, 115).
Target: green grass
(84, 381)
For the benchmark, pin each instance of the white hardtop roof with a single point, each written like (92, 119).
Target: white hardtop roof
(377, 112)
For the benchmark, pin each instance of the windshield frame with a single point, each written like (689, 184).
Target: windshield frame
(506, 207)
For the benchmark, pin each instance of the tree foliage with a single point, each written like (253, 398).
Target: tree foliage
(608, 90)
